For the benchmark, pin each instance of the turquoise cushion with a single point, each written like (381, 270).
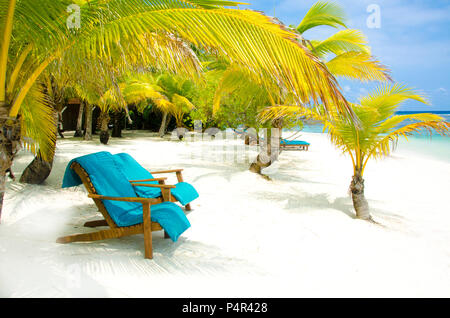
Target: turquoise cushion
(134, 171)
(294, 142)
(184, 192)
(109, 180)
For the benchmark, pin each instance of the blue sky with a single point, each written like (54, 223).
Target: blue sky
(413, 41)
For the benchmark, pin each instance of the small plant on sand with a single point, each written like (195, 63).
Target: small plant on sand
(378, 130)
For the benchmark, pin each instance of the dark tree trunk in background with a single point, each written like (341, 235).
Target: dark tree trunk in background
(117, 124)
(88, 122)
(60, 125)
(104, 132)
(359, 200)
(79, 131)
(39, 169)
(164, 124)
(9, 145)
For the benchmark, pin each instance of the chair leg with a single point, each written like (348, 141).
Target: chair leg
(147, 231)
(166, 236)
(188, 207)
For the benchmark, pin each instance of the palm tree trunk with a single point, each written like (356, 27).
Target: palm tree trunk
(117, 124)
(60, 125)
(164, 124)
(39, 169)
(78, 131)
(9, 145)
(88, 123)
(104, 132)
(359, 200)
(269, 152)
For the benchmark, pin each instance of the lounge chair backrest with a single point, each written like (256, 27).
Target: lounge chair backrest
(134, 171)
(130, 167)
(82, 174)
(107, 179)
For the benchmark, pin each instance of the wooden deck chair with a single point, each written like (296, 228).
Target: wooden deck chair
(166, 192)
(114, 231)
(182, 192)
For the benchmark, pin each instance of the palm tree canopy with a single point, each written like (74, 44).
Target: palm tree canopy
(244, 37)
(345, 53)
(380, 126)
(35, 35)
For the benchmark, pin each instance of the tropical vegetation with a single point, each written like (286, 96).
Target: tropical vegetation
(185, 60)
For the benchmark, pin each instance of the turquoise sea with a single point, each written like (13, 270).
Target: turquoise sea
(434, 147)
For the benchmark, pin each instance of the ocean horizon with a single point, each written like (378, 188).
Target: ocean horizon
(435, 147)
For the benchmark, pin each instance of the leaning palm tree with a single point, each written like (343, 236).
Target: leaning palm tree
(379, 130)
(34, 35)
(54, 90)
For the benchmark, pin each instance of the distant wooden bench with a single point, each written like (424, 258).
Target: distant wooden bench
(294, 144)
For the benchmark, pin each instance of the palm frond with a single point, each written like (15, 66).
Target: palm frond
(387, 98)
(323, 13)
(348, 40)
(38, 123)
(244, 36)
(359, 66)
(277, 112)
(182, 103)
(383, 147)
(237, 81)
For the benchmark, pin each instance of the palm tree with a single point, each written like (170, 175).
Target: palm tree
(39, 169)
(243, 93)
(350, 55)
(178, 91)
(379, 130)
(34, 35)
(168, 92)
(350, 58)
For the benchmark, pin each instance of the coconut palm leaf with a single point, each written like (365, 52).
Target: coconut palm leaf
(244, 36)
(359, 66)
(323, 13)
(239, 82)
(38, 123)
(296, 113)
(386, 99)
(344, 41)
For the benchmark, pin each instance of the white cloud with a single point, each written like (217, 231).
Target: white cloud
(442, 91)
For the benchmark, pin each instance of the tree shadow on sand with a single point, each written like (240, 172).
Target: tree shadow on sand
(302, 202)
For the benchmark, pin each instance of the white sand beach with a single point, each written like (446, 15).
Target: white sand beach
(294, 236)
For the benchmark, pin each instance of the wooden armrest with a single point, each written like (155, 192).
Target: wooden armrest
(162, 186)
(145, 180)
(125, 199)
(166, 171)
